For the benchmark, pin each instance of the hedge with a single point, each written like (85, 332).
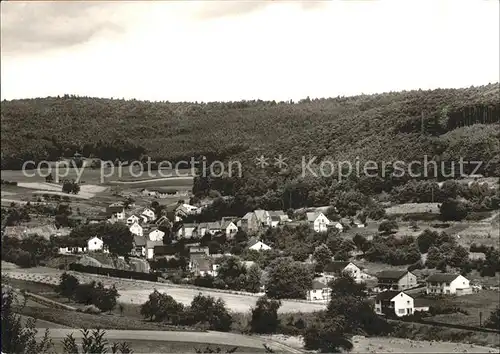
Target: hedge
(111, 272)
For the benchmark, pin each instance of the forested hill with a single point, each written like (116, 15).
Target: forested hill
(456, 122)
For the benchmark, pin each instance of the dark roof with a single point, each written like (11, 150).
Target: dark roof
(252, 241)
(336, 267)
(388, 295)
(316, 285)
(392, 274)
(442, 277)
(139, 241)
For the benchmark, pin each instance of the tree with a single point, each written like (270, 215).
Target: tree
(434, 257)
(360, 242)
(162, 307)
(388, 227)
(232, 273)
(426, 239)
(254, 279)
(288, 279)
(265, 316)
(322, 255)
(118, 238)
(459, 257)
(70, 187)
(95, 343)
(68, 285)
(453, 210)
(16, 338)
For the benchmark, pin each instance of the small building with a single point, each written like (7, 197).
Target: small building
(116, 211)
(132, 219)
(187, 231)
(319, 292)
(263, 217)
(213, 227)
(396, 280)
(229, 228)
(394, 303)
(447, 284)
(318, 221)
(150, 214)
(136, 229)
(280, 216)
(72, 250)
(163, 221)
(150, 248)
(199, 250)
(249, 223)
(139, 248)
(201, 265)
(96, 244)
(256, 245)
(156, 235)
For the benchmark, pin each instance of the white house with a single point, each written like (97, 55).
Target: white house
(132, 219)
(156, 235)
(257, 245)
(150, 214)
(334, 269)
(136, 229)
(442, 283)
(318, 292)
(187, 231)
(229, 228)
(263, 217)
(318, 220)
(336, 225)
(394, 303)
(96, 244)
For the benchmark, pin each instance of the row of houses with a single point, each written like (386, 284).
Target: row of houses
(390, 281)
(163, 193)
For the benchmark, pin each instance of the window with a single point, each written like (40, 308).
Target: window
(401, 311)
(407, 302)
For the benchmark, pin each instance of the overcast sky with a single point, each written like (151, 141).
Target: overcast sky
(230, 50)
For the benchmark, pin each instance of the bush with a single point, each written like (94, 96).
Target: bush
(265, 316)
(91, 309)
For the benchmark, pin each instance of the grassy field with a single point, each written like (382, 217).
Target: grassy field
(483, 302)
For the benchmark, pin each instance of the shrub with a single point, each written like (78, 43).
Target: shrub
(91, 309)
(68, 285)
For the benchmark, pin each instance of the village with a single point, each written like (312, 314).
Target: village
(396, 293)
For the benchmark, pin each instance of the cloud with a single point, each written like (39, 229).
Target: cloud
(226, 8)
(39, 26)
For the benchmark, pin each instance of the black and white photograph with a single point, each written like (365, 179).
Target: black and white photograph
(250, 176)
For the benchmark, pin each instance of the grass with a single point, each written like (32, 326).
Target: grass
(483, 302)
(105, 321)
(145, 346)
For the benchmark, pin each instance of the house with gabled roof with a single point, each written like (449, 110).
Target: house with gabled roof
(150, 214)
(394, 304)
(396, 280)
(163, 221)
(116, 211)
(319, 292)
(229, 228)
(136, 229)
(336, 268)
(447, 284)
(214, 227)
(187, 230)
(133, 219)
(318, 221)
(256, 245)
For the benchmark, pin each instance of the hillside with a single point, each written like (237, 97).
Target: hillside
(456, 123)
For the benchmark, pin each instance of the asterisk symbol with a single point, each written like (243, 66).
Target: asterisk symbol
(262, 161)
(280, 161)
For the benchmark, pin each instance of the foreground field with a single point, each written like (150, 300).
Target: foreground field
(137, 292)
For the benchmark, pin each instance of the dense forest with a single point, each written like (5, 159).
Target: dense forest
(444, 124)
